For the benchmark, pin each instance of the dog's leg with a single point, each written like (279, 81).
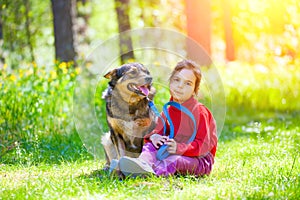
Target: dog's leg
(112, 156)
(109, 147)
(121, 146)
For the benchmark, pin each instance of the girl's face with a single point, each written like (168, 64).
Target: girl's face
(182, 85)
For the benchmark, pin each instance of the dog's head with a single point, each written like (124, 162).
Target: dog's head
(132, 81)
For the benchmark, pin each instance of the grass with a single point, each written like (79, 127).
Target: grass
(257, 157)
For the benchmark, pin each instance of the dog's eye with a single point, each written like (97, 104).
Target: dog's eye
(133, 72)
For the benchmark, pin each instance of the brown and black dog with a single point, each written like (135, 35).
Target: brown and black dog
(128, 115)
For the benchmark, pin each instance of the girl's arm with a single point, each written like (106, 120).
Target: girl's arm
(206, 137)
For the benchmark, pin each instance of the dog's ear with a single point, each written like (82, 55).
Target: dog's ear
(111, 74)
(117, 73)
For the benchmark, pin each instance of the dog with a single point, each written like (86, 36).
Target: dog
(127, 111)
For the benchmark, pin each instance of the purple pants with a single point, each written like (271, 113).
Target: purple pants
(184, 165)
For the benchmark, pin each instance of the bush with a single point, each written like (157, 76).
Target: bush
(35, 102)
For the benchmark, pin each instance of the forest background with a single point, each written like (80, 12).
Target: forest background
(253, 44)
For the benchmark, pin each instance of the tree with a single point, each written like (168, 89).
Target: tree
(1, 34)
(125, 43)
(18, 41)
(1, 38)
(230, 54)
(198, 13)
(2, 60)
(27, 29)
(83, 14)
(63, 17)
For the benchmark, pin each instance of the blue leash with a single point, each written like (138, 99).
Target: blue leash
(162, 152)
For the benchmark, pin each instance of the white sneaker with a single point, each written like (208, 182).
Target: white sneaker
(134, 167)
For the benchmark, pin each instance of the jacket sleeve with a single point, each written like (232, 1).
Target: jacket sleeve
(206, 137)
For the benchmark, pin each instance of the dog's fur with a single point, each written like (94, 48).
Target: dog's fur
(128, 115)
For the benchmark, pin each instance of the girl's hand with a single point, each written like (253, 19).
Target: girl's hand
(172, 146)
(158, 140)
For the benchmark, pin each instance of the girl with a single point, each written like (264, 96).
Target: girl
(197, 157)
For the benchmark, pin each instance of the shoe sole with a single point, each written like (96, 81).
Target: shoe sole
(130, 168)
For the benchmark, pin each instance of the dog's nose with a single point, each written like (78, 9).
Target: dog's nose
(148, 79)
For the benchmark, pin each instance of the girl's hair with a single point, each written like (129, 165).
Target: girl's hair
(188, 64)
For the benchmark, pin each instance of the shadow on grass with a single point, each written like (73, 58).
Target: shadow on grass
(48, 149)
(103, 175)
(100, 174)
(57, 148)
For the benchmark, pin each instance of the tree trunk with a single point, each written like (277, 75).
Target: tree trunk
(230, 54)
(63, 15)
(1, 39)
(1, 33)
(82, 16)
(198, 13)
(122, 10)
(27, 29)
